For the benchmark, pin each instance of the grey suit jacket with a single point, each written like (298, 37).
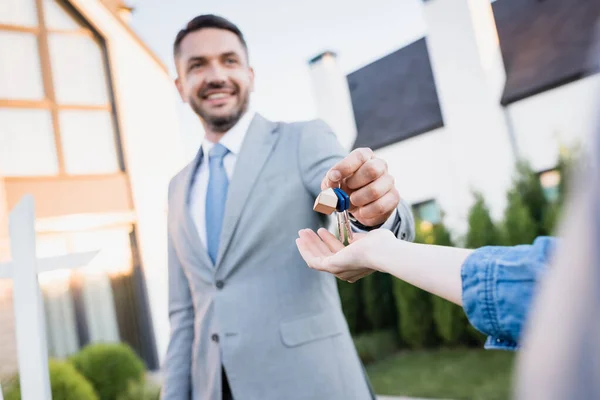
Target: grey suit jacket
(275, 325)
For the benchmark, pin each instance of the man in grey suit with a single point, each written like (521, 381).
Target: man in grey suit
(249, 319)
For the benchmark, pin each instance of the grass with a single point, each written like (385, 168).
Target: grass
(472, 374)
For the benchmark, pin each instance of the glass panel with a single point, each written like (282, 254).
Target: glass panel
(18, 12)
(78, 70)
(57, 16)
(20, 70)
(27, 145)
(430, 212)
(58, 303)
(88, 142)
(114, 257)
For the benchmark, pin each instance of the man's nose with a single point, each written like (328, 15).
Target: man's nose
(216, 74)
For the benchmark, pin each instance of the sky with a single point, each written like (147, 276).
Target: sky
(282, 35)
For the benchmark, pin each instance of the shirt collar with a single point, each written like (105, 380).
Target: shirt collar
(233, 138)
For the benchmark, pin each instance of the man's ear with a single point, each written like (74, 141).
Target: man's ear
(251, 73)
(179, 87)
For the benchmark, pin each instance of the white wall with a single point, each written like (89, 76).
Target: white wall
(419, 166)
(146, 104)
(332, 98)
(424, 168)
(467, 80)
(562, 116)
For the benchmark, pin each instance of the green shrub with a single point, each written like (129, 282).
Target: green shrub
(519, 226)
(141, 390)
(379, 305)
(65, 383)
(415, 321)
(377, 345)
(528, 187)
(109, 367)
(482, 230)
(352, 305)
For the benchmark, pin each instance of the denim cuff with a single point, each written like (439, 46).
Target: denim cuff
(478, 290)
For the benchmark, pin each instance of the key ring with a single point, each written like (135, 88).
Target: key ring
(335, 199)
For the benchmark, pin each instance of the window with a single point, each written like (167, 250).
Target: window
(550, 181)
(56, 112)
(428, 211)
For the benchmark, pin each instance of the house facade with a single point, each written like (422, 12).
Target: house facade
(89, 127)
(452, 112)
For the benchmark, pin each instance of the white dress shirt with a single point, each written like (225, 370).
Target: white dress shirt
(233, 140)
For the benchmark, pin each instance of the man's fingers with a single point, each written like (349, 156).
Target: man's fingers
(373, 191)
(330, 240)
(348, 166)
(373, 214)
(367, 173)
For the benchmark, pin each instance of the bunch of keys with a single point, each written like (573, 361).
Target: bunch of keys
(337, 200)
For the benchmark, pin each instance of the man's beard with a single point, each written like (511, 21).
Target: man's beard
(221, 124)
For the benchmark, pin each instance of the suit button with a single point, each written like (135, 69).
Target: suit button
(215, 338)
(220, 284)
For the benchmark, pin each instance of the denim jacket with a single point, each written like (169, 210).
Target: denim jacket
(498, 285)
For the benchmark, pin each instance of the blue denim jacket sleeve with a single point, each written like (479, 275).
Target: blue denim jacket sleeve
(498, 284)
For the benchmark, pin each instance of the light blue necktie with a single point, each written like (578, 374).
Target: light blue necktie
(216, 196)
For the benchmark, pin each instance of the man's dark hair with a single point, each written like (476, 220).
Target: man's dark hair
(204, 22)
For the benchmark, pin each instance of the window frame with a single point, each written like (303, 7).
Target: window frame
(49, 102)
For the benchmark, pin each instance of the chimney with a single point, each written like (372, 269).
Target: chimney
(124, 13)
(469, 73)
(119, 8)
(332, 96)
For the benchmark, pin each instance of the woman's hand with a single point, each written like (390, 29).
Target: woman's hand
(324, 252)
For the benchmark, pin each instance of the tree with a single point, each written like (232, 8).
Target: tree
(482, 230)
(352, 305)
(527, 185)
(519, 226)
(379, 302)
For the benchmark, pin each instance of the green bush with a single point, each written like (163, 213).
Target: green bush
(109, 367)
(415, 321)
(528, 187)
(377, 345)
(482, 230)
(65, 383)
(519, 226)
(141, 390)
(352, 305)
(378, 295)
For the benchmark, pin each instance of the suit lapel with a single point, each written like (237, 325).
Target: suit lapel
(196, 245)
(255, 150)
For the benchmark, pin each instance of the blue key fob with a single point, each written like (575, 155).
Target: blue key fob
(343, 200)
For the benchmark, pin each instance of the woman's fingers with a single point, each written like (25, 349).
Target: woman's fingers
(308, 254)
(330, 240)
(314, 243)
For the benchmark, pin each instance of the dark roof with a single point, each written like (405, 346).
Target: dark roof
(395, 98)
(545, 44)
